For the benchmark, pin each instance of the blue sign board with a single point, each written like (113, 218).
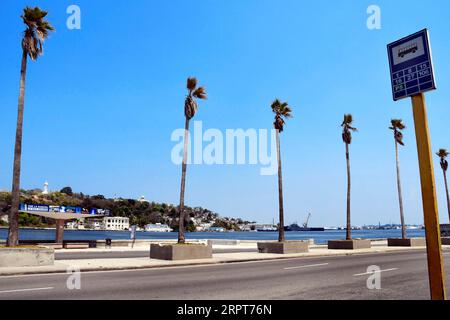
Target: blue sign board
(61, 209)
(71, 209)
(411, 65)
(34, 207)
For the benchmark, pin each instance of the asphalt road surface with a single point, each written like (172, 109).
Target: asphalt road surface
(403, 276)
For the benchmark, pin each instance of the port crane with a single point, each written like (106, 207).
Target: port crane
(305, 224)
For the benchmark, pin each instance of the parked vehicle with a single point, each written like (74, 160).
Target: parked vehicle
(445, 230)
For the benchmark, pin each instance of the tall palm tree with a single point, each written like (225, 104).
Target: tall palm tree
(282, 111)
(397, 126)
(36, 32)
(443, 153)
(347, 129)
(190, 108)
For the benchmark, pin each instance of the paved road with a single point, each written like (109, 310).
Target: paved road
(404, 276)
(124, 254)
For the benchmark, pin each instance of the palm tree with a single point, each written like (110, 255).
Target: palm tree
(190, 108)
(347, 138)
(397, 126)
(36, 32)
(443, 153)
(282, 111)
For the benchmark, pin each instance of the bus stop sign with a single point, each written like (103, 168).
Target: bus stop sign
(411, 65)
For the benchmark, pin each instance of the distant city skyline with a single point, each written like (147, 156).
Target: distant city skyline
(101, 106)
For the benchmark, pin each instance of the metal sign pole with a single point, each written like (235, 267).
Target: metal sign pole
(430, 208)
(412, 74)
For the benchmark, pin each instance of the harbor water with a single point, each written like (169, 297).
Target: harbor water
(319, 237)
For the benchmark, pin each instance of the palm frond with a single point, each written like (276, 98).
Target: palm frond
(190, 105)
(279, 123)
(347, 128)
(347, 136)
(191, 83)
(398, 136)
(397, 124)
(442, 153)
(276, 105)
(37, 31)
(200, 93)
(348, 120)
(286, 111)
(281, 110)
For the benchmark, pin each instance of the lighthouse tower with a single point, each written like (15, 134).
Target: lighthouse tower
(45, 191)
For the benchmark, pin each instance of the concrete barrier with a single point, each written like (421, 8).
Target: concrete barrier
(409, 242)
(349, 244)
(26, 257)
(287, 247)
(189, 251)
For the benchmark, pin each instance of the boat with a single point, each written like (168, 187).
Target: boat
(158, 227)
(296, 227)
(304, 228)
(267, 229)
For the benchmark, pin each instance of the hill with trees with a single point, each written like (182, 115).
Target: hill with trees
(140, 212)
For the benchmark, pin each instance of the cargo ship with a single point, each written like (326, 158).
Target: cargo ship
(304, 228)
(296, 227)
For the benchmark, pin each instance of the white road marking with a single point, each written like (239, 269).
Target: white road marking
(370, 273)
(168, 267)
(24, 290)
(307, 266)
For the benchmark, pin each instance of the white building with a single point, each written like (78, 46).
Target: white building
(94, 224)
(116, 223)
(203, 226)
(142, 200)
(158, 227)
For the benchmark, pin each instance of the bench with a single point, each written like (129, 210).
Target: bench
(75, 245)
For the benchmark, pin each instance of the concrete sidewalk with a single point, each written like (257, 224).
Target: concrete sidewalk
(146, 247)
(62, 266)
(245, 245)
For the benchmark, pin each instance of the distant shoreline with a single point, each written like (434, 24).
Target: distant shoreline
(319, 237)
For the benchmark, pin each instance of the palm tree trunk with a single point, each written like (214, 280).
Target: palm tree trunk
(446, 190)
(400, 197)
(181, 236)
(281, 236)
(13, 234)
(349, 225)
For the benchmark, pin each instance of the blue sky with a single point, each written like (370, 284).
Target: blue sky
(102, 102)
